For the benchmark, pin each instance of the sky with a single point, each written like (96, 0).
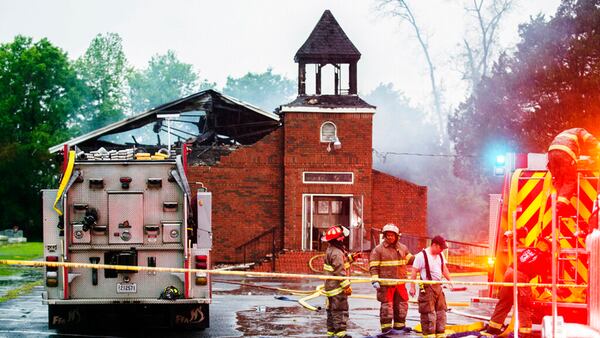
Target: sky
(232, 37)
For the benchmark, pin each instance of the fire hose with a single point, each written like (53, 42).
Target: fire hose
(310, 294)
(64, 182)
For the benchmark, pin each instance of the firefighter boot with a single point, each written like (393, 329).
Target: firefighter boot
(493, 329)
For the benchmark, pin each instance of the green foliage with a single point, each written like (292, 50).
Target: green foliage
(550, 83)
(39, 93)
(164, 80)
(265, 90)
(18, 292)
(21, 251)
(103, 69)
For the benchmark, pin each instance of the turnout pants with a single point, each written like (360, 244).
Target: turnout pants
(505, 303)
(394, 306)
(337, 315)
(432, 307)
(564, 171)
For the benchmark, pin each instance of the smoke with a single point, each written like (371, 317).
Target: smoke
(407, 145)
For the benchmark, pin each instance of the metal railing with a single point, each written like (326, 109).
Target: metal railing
(463, 255)
(264, 246)
(593, 247)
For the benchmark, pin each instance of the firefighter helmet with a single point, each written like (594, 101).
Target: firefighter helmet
(170, 293)
(392, 228)
(334, 232)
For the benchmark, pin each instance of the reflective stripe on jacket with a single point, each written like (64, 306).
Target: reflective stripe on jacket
(336, 264)
(389, 261)
(575, 142)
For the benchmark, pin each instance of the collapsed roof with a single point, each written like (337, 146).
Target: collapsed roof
(205, 118)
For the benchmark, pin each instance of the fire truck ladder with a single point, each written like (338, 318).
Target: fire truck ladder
(567, 252)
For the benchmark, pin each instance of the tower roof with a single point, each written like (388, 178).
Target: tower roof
(327, 44)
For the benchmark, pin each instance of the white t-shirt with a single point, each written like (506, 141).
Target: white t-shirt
(435, 265)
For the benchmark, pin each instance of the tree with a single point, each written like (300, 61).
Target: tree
(265, 90)
(103, 68)
(401, 10)
(406, 145)
(550, 83)
(164, 80)
(39, 92)
(479, 49)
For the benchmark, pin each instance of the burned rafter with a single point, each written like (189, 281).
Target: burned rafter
(207, 117)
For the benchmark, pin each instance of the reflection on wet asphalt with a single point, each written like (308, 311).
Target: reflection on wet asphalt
(240, 310)
(22, 276)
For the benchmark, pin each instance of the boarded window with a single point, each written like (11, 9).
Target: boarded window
(328, 132)
(323, 207)
(336, 207)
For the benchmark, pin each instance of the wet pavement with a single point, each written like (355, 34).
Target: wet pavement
(240, 310)
(20, 277)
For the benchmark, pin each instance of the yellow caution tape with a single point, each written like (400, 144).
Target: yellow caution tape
(264, 274)
(64, 181)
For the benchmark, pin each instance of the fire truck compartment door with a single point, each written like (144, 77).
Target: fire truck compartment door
(125, 218)
(204, 212)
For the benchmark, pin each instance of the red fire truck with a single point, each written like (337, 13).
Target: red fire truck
(526, 203)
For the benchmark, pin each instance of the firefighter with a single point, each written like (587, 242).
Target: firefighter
(337, 263)
(532, 262)
(563, 153)
(432, 301)
(389, 260)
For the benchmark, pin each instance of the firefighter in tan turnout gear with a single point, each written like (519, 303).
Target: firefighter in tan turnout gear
(337, 263)
(389, 260)
(432, 302)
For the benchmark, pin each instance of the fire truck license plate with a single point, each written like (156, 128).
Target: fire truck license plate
(126, 288)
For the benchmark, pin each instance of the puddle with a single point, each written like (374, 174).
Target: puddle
(22, 276)
(284, 321)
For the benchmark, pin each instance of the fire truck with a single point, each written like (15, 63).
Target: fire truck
(526, 203)
(123, 209)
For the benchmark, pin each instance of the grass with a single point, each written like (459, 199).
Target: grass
(24, 251)
(19, 251)
(22, 290)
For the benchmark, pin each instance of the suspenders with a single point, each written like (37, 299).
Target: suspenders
(427, 269)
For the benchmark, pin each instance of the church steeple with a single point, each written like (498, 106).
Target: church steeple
(328, 44)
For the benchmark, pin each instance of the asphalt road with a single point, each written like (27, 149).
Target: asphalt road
(237, 311)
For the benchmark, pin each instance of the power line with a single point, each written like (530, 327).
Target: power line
(384, 155)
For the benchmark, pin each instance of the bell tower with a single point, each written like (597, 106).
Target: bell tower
(327, 143)
(328, 44)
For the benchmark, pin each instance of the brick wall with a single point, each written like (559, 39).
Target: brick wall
(258, 187)
(247, 190)
(304, 152)
(399, 202)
